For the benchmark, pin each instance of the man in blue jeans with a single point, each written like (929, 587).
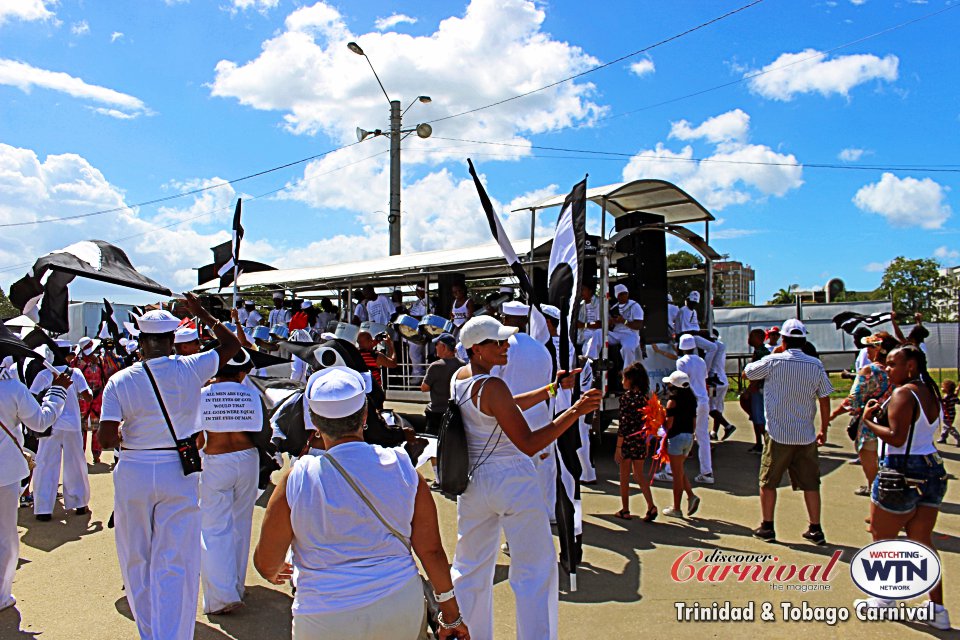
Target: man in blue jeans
(753, 401)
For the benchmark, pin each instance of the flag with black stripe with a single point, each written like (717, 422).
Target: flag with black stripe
(232, 263)
(108, 323)
(848, 321)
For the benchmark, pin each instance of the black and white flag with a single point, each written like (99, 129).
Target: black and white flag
(50, 275)
(230, 269)
(848, 321)
(108, 323)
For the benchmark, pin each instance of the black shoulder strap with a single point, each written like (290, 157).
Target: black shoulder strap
(163, 408)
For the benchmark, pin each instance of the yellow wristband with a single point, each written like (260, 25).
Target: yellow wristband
(552, 389)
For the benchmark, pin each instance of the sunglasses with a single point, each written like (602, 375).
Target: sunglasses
(499, 343)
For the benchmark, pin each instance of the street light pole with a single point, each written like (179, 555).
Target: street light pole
(394, 218)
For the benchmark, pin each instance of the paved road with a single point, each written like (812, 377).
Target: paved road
(69, 585)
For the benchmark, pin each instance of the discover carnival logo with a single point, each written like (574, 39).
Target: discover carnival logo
(895, 569)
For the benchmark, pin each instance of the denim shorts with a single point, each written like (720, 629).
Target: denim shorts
(680, 444)
(757, 415)
(932, 487)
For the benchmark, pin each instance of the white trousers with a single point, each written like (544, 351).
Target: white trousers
(418, 360)
(589, 474)
(158, 542)
(547, 478)
(65, 447)
(9, 540)
(717, 397)
(592, 341)
(228, 489)
(702, 434)
(506, 493)
(629, 342)
(398, 616)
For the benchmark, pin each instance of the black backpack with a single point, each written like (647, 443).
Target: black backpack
(453, 460)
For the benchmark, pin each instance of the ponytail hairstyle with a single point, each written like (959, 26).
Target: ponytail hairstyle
(913, 352)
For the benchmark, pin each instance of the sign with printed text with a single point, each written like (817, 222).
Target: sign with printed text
(230, 406)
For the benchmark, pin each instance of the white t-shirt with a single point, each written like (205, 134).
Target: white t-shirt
(862, 360)
(696, 370)
(381, 309)
(345, 558)
(230, 407)
(529, 366)
(673, 312)
(129, 398)
(253, 319)
(278, 316)
(360, 311)
(419, 308)
(589, 313)
(687, 320)
(629, 312)
(70, 419)
(720, 363)
(17, 405)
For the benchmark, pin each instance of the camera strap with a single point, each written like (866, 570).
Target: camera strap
(163, 408)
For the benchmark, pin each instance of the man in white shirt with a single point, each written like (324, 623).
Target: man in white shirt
(590, 333)
(716, 372)
(17, 405)
(379, 307)
(279, 314)
(253, 317)
(673, 314)
(696, 369)
(63, 446)
(773, 339)
(687, 321)
(186, 340)
(626, 322)
(419, 308)
(156, 507)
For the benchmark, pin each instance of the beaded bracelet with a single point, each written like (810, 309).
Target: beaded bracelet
(452, 625)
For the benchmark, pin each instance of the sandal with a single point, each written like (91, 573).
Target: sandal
(651, 515)
(623, 514)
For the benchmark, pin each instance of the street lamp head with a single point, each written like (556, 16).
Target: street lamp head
(424, 130)
(353, 46)
(362, 134)
(424, 99)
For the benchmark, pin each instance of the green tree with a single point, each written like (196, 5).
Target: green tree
(915, 286)
(784, 296)
(7, 310)
(680, 287)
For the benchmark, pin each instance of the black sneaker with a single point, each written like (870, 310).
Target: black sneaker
(82, 511)
(44, 517)
(728, 431)
(816, 537)
(765, 534)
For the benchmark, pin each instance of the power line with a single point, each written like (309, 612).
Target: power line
(602, 66)
(816, 165)
(177, 195)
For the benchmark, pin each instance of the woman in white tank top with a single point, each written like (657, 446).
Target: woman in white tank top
(462, 306)
(504, 492)
(913, 414)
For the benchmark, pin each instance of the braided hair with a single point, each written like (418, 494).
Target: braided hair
(914, 353)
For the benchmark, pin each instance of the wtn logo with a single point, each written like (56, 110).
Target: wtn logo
(903, 570)
(897, 569)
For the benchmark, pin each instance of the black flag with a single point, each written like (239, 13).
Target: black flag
(226, 270)
(11, 345)
(848, 321)
(94, 259)
(108, 323)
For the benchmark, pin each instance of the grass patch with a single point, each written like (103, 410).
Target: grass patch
(841, 386)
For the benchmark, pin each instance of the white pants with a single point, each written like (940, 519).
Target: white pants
(228, 489)
(717, 397)
(629, 342)
(398, 616)
(9, 540)
(547, 478)
(589, 474)
(68, 447)
(505, 493)
(592, 341)
(418, 360)
(703, 436)
(158, 542)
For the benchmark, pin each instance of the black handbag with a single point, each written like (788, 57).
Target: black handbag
(894, 487)
(853, 429)
(186, 447)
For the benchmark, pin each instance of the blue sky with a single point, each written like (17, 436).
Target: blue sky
(104, 104)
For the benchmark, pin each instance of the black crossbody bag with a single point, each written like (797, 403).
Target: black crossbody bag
(187, 447)
(893, 485)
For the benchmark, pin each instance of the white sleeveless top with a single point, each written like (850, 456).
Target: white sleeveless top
(923, 433)
(485, 439)
(460, 314)
(345, 558)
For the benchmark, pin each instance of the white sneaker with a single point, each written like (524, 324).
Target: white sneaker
(941, 619)
(704, 478)
(663, 476)
(879, 603)
(9, 603)
(672, 513)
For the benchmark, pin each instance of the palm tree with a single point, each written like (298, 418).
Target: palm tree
(784, 296)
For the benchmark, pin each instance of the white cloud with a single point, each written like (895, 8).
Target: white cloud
(906, 202)
(643, 67)
(80, 28)
(116, 35)
(736, 172)
(384, 24)
(850, 154)
(809, 71)
(263, 6)
(25, 10)
(943, 253)
(733, 234)
(732, 126)
(858, 2)
(25, 77)
(876, 267)
(307, 73)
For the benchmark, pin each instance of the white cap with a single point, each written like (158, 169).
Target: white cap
(620, 288)
(687, 342)
(670, 299)
(480, 328)
(678, 379)
(277, 295)
(550, 311)
(131, 329)
(300, 335)
(514, 308)
(89, 345)
(694, 296)
(124, 342)
(132, 345)
(326, 335)
(506, 289)
(420, 288)
(63, 344)
(186, 334)
(241, 358)
(336, 392)
(306, 304)
(249, 303)
(158, 321)
(793, 328)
